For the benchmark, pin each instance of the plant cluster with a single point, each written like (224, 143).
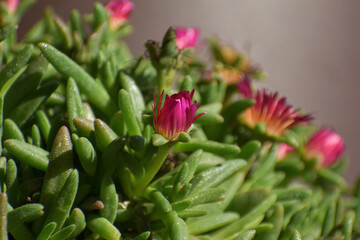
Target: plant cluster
(97, 144)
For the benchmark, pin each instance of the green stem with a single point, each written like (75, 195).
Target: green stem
(154, 167)
(1, 120)
(1, 54)
(3, 216)
(165, 78)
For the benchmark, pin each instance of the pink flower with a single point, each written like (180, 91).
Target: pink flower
(326, 145)
(283, 150)
(12, 5)
(269, 109)
(186, 37)
(120, 11)
(176, 115)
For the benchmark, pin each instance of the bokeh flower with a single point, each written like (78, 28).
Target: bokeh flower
(186, 37)
(176, 115)
(11, 5)
(269, 109)
(229, 75)
(120, 11)
(283, 150)
(325, 145)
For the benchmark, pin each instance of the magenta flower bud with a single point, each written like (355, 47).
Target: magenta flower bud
(176, 115)
(120, 11)
(12, 5)
(186, 37)
(269, 109)
(325, 145)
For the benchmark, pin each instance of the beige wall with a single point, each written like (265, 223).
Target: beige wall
(311, 49)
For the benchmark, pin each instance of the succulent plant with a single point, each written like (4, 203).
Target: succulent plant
(97, 144)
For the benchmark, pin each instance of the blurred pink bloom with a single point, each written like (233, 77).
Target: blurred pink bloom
(176, 115)
(12, 5)
(120, 11)
(283, 150)
(186, 37)
(326, 145)
(269, 109)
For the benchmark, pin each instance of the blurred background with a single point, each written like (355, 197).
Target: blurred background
(310, 49)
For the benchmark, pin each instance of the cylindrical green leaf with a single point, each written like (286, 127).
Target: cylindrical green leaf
(250, 220)
(10, 180)
(64, 33)
(64, 233)
(33, 156)
(16, 64)
(161, 203)
(96, 94)
(136, 97)
(187, 84)
(215, 175)
(26, 108)
(74, 103)
(348, 225)
(87, 155)
(36, 135)
(85, 127)
(47, 231)
(25, 84)
(249, 149)
(276, 219)
(44, 124)
(109, 79)
(101, 15)
(1, 121)
(332, 177)
(104, 134)
(20, 231)
(96, 40)
(89, 113)
(60, 210)
(60, 167)
(12, 131)
(296, 235)
(208, 146)
(329, 220)
(77, 218)
(143, 236)
(129, 114)
(285, 194)
(76, 23)
(103, 227)
(210, 222)
(109, 197)
(3, 216)
(2, 169)
(176, 227)
(24, 213)
(117, 123)
(248, 235)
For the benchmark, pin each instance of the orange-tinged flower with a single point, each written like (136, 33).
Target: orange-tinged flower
(176, 115)
(325, 145)
(229, 55)
(269, 109)
(120, 11)
(229, 75)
